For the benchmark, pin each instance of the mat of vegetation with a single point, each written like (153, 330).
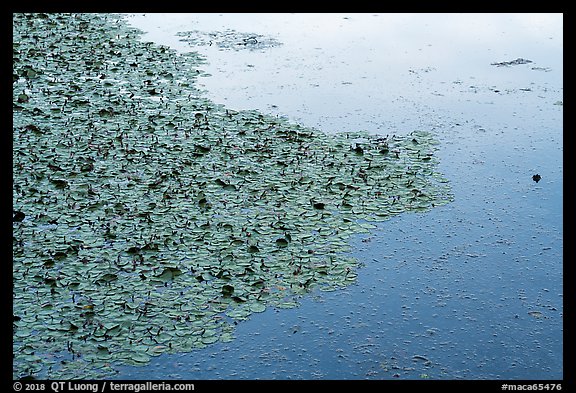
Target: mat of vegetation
(228, 39)
(147, 219)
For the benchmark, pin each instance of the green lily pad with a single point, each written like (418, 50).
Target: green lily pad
(257, 307)
(169, 273)
(282, 242)
(140, 358)
(148, 219)
(227, 290)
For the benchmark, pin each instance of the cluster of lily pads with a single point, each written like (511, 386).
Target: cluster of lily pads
(148, 219)
(228, 39)
(511, 62)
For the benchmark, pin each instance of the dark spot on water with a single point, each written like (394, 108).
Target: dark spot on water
(18, 216)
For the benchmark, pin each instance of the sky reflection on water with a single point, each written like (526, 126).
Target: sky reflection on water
(340, 72)
(458, 285)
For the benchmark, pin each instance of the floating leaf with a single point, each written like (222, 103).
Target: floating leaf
(318, 205)
(202, 149)
(23, 97)
(227, 290)
(282, 242)
(358, 150)
(59, 183)
(253, 249)
(133, 250)
(88, 167)
(18, 216)
(257, 307)
(106, 278)
(169, 273)
(113, 330)
(226, 337)
(209, 336)
(140, 357)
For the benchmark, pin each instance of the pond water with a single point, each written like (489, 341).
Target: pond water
(469, 290)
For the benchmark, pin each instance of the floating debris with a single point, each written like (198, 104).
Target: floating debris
(535, 314)
(518, 61)
(420, 358)
(228, 40)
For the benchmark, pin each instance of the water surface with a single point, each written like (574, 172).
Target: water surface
(470, 290)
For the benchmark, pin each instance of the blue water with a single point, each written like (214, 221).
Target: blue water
(470, 290)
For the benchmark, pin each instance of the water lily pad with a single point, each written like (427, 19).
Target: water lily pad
(210, 339)
(257, 307)
(227, 290)
(169, 273)
(140, 357)
(282, 242)
(226, 337)
(148, 219)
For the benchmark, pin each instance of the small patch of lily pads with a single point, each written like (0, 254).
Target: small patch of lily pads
(228, 39)
(147, 219)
